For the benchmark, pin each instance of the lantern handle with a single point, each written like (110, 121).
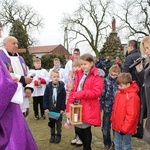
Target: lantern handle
(77, 102)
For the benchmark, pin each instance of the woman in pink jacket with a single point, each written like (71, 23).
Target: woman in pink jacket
(88, 86)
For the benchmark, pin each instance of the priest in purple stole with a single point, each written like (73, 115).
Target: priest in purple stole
(14, 131)
(14, 62)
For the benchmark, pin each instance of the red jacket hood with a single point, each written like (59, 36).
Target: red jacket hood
(93, 71)
(132, 88)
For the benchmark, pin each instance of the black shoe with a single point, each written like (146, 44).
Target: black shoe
(37, 117)
(112, 146)
(52, 139)
(58, 139)
(138, 135)
(139, 132)
(106, 147)
(43, 117)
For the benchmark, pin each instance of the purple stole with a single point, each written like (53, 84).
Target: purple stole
(7, 61)
(14, 131)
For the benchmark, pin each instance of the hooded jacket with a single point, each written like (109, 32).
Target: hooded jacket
(126, 108)
(88, 96)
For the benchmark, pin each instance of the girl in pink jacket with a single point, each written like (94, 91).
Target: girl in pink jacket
(87, 88)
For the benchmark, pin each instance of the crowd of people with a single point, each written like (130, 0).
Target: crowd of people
(117, 91)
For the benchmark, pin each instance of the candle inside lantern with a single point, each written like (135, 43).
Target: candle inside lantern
(75, 117)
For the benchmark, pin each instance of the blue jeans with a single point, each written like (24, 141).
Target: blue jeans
(106, 127)
(122, 142)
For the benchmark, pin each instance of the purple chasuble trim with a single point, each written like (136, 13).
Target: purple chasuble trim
(7, 60)
(14, 131)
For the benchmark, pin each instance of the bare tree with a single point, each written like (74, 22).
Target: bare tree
(135, 18)
(89, 23)
(11, 10)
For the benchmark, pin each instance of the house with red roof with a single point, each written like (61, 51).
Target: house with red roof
(39, 51)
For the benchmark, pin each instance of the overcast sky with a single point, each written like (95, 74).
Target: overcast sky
(52, 12)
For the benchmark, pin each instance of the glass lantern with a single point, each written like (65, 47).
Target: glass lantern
(75, 114)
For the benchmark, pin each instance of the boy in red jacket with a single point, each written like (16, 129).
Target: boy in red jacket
(125, 112)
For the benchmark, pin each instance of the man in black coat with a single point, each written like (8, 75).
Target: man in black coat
(132, 55)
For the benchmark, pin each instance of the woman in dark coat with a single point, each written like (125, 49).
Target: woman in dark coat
(143, 74)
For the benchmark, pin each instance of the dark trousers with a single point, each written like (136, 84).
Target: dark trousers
(140, 129)
(75, 132)
(140, 122)
(36, 101)
(106, 128)
(57, 129)
(86, 137)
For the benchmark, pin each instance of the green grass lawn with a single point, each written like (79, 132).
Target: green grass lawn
(41, 133)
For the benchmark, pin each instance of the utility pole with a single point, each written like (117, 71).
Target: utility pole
(66, 45)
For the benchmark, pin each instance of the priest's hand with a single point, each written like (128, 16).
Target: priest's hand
(15, 79)
(28, 80)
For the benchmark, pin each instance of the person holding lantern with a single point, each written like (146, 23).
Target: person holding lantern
(88, 86)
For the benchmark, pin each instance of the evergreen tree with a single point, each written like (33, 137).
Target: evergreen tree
(18, 31)
(47, 60)
(112, 48)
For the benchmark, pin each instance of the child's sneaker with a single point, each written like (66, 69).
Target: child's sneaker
(43, 117)
(37, 117)
(79, 143)
(74, 141)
